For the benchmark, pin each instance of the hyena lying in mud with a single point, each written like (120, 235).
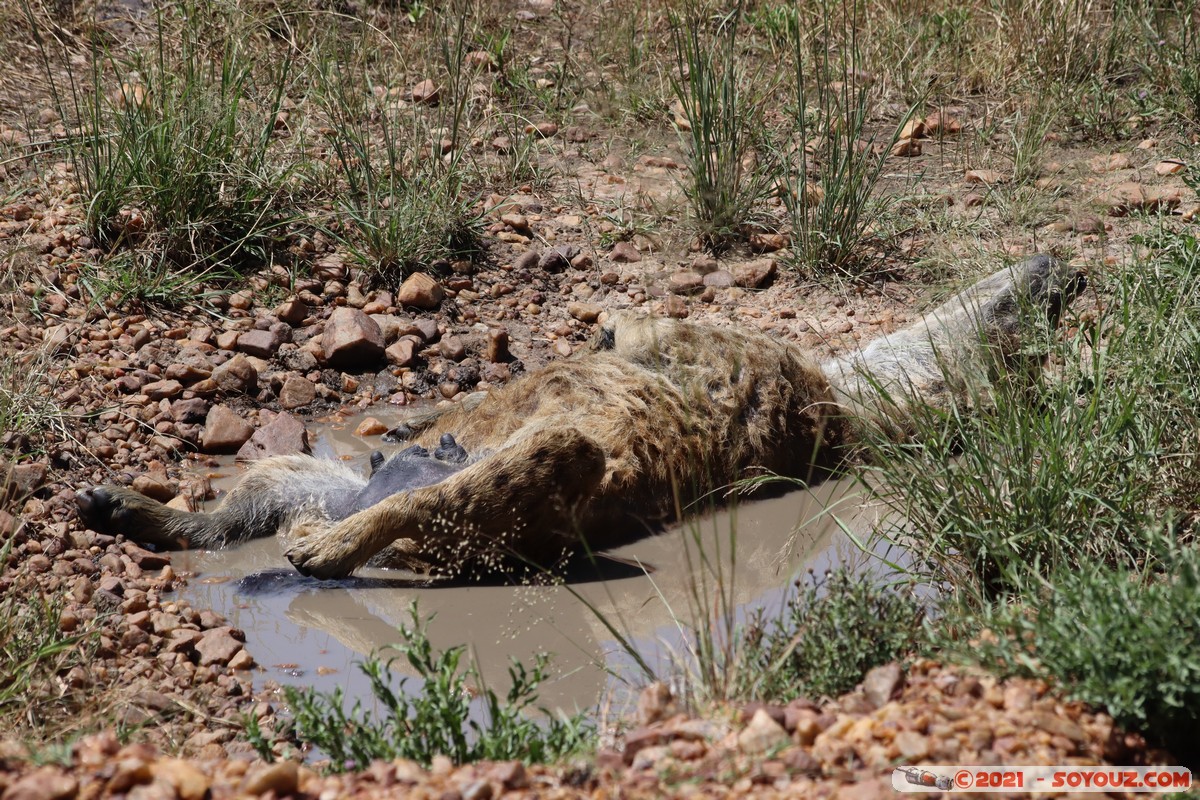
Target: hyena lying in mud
(600, 446)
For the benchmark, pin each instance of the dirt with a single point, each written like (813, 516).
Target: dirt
(123, 393)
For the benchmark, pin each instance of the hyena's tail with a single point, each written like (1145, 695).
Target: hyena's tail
(272, 493)
(998, 322)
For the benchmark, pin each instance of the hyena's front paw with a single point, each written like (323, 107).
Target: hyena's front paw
(115, 509)
(325, 552)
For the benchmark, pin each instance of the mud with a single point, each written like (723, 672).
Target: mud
(305, 631)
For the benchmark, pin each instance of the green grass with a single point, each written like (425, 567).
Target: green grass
(835, 629)
(442, 719)
(174, 142)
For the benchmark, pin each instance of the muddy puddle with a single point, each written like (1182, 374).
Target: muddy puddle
(307, 632)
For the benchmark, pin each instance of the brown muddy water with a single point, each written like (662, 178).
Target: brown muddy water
(308, 632)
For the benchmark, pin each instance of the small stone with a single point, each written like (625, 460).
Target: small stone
(703, 264)
(153, 486)
(370, 427)
(881, 684)
(224, 430)
(543, 130)
(767, 242)
(1169, 166)
(676, 307)
(941, 123)
(1129, 197)
(497, 346)
(985, 177)
(973, 200)
(558, 258)
(189, 783)
(44, 783)
(282, 436)
(625, 253)
(913, 129)
(584, 312)
(282, 778)
(655, 703)
(685, 282)
(236, 376)
(721, 279)
(402, 353)
(351, 339)
(293, 311)
(242, 661)
(906, 148)
(426, 92)
(912, 745)
(1113, 163)
(420, 290)
(160, 390)
(762, 734)
(511, 775)
(755, 274)
(451, 347)
(297, 392)
(217, 646)
(262, 344)
(480, 59)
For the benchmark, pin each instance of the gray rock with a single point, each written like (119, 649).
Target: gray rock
(262, 344)
(236, 376)
(351, 339)
(224, 430)
(284, 435)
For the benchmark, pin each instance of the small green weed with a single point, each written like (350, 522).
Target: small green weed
(1123, 639)
(442, 719)
(834, 630)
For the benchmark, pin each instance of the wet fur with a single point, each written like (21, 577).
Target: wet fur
(598, 448)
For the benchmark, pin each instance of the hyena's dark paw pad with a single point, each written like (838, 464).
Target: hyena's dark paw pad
(109, 509)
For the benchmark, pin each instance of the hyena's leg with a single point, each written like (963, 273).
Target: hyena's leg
(273, 492)
(517, 500)
(423, 420)
(993, 323)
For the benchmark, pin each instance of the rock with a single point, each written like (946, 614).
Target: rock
(224, 430)
(1113, 163)
(655, 703)
(370, 427)
(236, 376)
(676, 307)
(1169, 166)
(685, 282)
(906, 148)
(426, 93)
(721, 279)
(543, 130)
(942, 123)
(497, 345)
(44, 783)
(584, 312)
(242, 660)
(160, 390)
(351, 339)
(558, 258)
(297, 392)
(703, 264)
(428, 329)
(293, 311)
(762, 735)
(985, 177)
(262, 344)
(217, 646)
(480, 59)
(1130, 196)
(452, 348)
(511, 775)
(973, 200)
(882, 683)
(189, 783)
(912, 745)
(282, 436)
(154, 487)
(755, 274)
(767, 242)
(402, 353)
(527, 260)
(420, 291)
(625, 253)
(282, 778)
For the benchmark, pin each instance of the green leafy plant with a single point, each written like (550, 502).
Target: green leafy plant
(835, 629)
(440, 719)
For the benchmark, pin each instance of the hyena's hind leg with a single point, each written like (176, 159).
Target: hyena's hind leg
(521, 500)
(272, 493)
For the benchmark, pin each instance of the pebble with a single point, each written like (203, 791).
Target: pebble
(224, 430)
(351, 339)
(420, 290)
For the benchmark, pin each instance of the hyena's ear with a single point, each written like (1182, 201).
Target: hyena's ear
(377, 461)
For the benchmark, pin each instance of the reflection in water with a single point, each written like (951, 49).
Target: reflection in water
(306, 631)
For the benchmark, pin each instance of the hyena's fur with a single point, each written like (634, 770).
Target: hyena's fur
(605, 443)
